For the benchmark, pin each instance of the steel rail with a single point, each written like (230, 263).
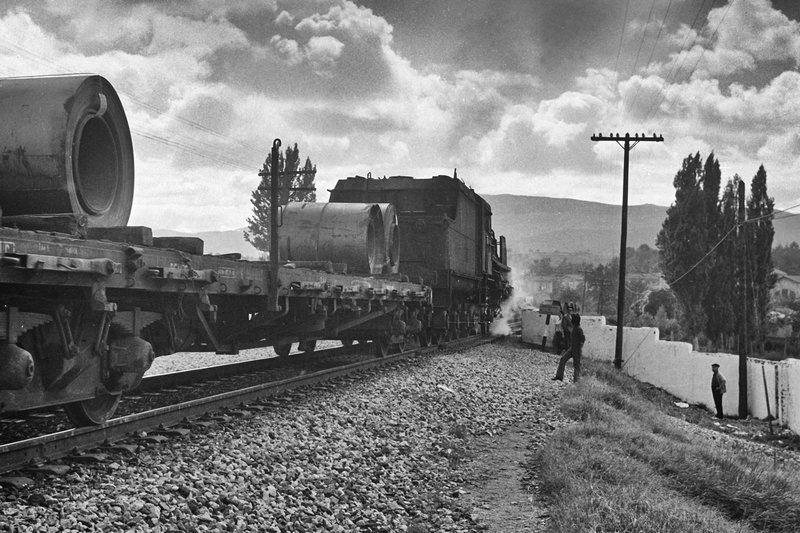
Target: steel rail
(184, 377)
(17, 455)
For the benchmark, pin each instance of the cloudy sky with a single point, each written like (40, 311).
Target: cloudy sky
(507, 91)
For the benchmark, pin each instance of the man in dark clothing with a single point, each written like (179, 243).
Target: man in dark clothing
(574, 352)
(566, 326)
(718, 388)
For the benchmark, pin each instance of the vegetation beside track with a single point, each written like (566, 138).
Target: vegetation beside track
(624, 465)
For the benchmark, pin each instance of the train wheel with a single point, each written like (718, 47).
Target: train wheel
(94, 411)
(425, 338)
(381, 347)
(307, 346)
(282, 349)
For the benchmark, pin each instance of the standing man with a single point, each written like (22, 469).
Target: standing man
(566, 326)
(718, 388)
(574, 352)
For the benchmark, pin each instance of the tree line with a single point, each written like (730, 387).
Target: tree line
(715, 252)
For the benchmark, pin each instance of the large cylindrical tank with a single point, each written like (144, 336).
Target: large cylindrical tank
(341, 233)
(391, 232)
(66, 149)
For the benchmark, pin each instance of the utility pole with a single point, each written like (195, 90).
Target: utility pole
(583, 300)
(274, 243)
(277, 182)
(626, 147)
(744, 341)
(601, 286)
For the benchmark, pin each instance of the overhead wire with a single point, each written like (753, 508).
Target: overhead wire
(653, 49)
(189, 146)
(622, 35)
(644, 34)
(721, 20)
(676, 62)
(735, 226)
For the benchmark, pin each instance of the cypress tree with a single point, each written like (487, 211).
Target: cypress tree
(760, 233)
(722, 325)
(682, 243)
(713, 229)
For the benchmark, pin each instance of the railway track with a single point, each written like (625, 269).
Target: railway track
(178, 419)
(164, 389)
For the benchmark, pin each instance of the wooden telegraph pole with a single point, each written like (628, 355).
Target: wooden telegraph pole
(744, 341)
(277, 182)
(627, 143)
(584, 307)
(274, 195)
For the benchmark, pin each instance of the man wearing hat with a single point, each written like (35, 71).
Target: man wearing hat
(718, 388)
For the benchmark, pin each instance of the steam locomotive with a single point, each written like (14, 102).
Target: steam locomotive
(87, 302)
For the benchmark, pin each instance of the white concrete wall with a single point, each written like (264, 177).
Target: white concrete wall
(674, 367)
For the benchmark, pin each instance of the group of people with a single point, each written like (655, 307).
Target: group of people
(573, 339)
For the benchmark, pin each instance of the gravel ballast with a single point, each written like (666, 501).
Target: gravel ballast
(384, 453)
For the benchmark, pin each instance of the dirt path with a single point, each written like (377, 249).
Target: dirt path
(500, 491)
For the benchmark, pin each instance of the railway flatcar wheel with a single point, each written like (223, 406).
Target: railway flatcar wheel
(425, 338)
(94, 411)
(282, 349)
(381, 347)
(307, 346)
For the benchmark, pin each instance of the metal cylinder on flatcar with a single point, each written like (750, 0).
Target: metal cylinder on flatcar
(66, 149)
(342, 233)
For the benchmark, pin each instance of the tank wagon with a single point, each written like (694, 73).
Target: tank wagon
(87, 302)
(445, 242)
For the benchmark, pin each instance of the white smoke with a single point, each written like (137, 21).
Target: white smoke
(510, 309)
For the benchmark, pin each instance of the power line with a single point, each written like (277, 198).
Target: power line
(184, 146)
(190, 149)
(653, 50)
(644, 34)
(710, 40)
(669, 77)
(622, 35)
(735, 226)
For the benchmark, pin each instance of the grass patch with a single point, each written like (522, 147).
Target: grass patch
(626, 466)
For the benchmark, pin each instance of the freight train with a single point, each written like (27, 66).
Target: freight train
(87, 302)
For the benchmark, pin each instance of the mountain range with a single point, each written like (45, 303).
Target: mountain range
(537, 226)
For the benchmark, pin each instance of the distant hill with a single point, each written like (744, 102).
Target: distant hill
(540, 226)
(590, 229)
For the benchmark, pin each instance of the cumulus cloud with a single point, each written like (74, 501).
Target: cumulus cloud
(208, 86)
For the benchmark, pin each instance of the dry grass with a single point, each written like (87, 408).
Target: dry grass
(624, 466)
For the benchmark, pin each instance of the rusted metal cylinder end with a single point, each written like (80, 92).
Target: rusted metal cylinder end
(66, 149)
(16, 367)
(340, 233)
